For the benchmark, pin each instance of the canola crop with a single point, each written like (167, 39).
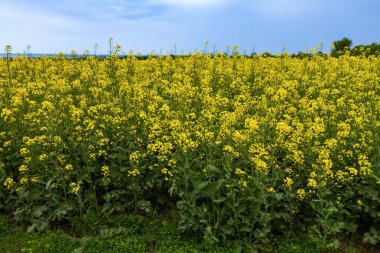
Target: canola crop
(121, 134)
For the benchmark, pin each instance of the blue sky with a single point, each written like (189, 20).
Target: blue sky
(52, 26)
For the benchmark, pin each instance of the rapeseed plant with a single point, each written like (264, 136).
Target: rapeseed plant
(268, 133)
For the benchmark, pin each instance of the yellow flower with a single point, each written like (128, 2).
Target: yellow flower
(24, 180)
(92, 157)
(271, 190)
(251, 124)
(24, 151)
(301, 194)
(61, 159)
(288, 170)
(133, 172)
(69, 167)
(260, 164)
(134, 157)
(42, 157)
(105, 171)
(165, 171)
(231, 150)
(54, 185)
(331, 143)
(57, 139)
(7, 115)
(365, 165)
(239, 172)
(341, 175)
(312, 183)
(288, 182)
(74, 187)
(27, 160)
(313, 174)
(283, 128)
(353, 171)
(8, 183)
(344, 130)
(23, 169)
(172, 163)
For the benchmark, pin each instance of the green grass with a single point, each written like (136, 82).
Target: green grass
(137, 234)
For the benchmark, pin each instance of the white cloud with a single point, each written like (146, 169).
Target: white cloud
(287, 8)
(190, 3)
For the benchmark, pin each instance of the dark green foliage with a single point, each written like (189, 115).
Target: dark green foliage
(138, 234)
(341, 46)
(367, 50)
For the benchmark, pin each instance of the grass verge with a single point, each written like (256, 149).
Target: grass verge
(144, 234)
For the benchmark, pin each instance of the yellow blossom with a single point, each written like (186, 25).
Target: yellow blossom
(74, 187)
(24, 180)
(301, 194)
(134, 157)
(42, 157)
(133, 172)
(239, 172)
(23, 169)
(7, 144)
(24, 151)
(312, 183)
(8, 183)
(165, 171)
(54, 185)
(288, 182)
(69, 167)
(105, 171)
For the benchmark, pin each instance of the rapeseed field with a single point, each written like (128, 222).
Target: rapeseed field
(239, 147)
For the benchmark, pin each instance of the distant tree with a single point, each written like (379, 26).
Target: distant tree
(341, 45)
(372, 49)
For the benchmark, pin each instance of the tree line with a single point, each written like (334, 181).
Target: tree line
(342, 46)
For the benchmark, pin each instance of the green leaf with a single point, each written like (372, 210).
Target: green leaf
(171, 190)
(214, 169)
(332, 209)
(123, 169)
(39, 210)
(49, 183)
(59, 213)
(219, 184)
(220, 200)
(181, 204)
(38, 226)
(112, 156)
(201, 185)
(278, 196)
